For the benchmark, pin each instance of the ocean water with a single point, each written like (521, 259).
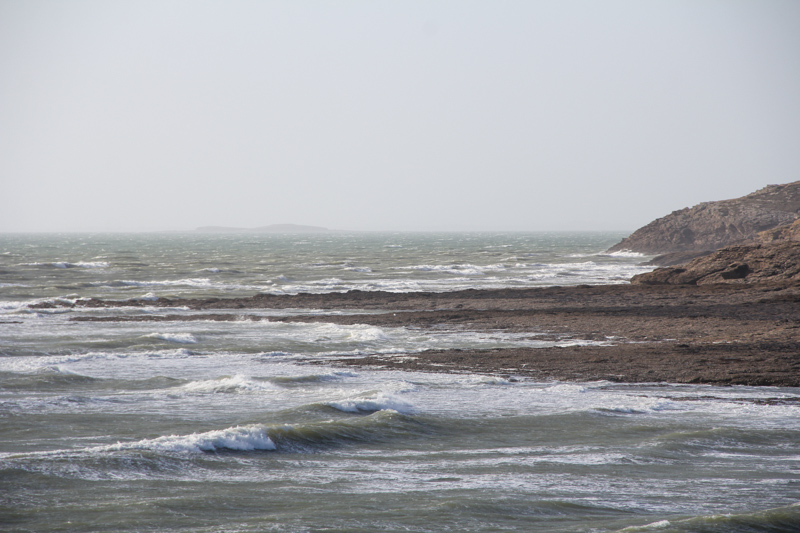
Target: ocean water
(243, 426)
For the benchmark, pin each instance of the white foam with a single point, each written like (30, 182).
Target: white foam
(566, 388)
(327, 332)
(236, 383)
(459, 269)
(91, 264)
(13, 305)
(661, 524)
(478, 379)
(191, 282)
(239, 438)
(67, 264)
(624, 253)
(181, 338)
(358, 269)
(362, 333)
(372, 403)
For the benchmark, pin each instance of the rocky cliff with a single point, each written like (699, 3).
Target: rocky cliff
(773, 262)
(713, 225)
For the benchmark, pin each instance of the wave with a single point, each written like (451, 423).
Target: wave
(329, 332)
(180, 338)
(305, 437)
(365, 270)
(777, 520)
(623, 253)
(379, 426)
(239, 438)
(464, 269)
(228, 384)
(716, 439)
(47, 379)
(67, 264)
(56, 378)
(372, 403)
(191, 282)
(194, 283)
(310, 378)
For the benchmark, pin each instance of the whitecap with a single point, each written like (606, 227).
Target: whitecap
(367, 334)
(191, 282)
(236, 383)
(181, 338)
(372, 403)
(460, 269)
(91, 264)
(365, 270)
(623, 253)
(67, 264)
(239, 438)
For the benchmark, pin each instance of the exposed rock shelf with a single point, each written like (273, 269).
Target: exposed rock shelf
(743, 334)
(748, 263)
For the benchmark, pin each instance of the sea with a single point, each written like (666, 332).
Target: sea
(248, 425)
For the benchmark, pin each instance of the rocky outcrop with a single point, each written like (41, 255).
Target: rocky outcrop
(675, 258)
(713, 225)
(787, 232)
(772, 262)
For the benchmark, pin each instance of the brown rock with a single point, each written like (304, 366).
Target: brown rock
(676, 258)
(787, 232)
(713, 225)
(749, 263)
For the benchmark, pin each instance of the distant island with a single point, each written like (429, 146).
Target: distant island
(272, 228)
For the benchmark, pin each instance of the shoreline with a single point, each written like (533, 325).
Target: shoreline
(725, 334)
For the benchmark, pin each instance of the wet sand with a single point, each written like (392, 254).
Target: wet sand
(729, 334)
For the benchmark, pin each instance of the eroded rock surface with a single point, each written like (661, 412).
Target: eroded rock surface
(713, 225)
(748, 263)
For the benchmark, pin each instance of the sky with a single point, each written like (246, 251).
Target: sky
(386, 115)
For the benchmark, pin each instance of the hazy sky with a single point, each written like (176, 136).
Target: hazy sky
(390, 115)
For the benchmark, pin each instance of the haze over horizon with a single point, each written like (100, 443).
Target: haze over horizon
(390, 116)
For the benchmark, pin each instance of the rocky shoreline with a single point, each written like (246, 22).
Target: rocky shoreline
(724, 310)
(721, 334)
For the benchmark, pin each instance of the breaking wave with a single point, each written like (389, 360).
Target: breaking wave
(372, 403)
(180, 338)
(239, 438)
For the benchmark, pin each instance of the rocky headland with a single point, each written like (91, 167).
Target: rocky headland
(771, 256)
(709, 226)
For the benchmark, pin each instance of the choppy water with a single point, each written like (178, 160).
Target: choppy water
(225, 426)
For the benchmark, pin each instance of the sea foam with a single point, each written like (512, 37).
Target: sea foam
(239, 438)
(180, 338)
(371, 404)
(228, 384)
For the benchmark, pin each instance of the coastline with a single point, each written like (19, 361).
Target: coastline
(723, 334)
